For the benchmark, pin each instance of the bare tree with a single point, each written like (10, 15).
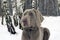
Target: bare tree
(10, 7)
(0, 8)
(4, 8)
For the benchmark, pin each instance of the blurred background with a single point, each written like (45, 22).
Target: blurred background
(11, 12)
(47, 7)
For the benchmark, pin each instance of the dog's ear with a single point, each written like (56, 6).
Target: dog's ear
(39, 15)
(46, 34)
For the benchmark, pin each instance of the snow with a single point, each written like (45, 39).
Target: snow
(5, 35)
(50, 22)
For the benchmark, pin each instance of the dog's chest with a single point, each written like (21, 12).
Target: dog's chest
(31, 34)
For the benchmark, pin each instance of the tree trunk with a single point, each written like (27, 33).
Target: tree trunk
(27, 4)
(10, 7)
(0, 9)
(16, 6)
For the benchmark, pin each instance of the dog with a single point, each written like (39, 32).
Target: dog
(31, 22)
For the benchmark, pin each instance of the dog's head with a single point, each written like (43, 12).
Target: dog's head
(31, 18)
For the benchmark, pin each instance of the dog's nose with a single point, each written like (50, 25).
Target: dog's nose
(24, 21)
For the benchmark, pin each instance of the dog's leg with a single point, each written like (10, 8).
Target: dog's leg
(46, 34)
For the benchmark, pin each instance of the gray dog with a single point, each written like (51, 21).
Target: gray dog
(31, 22)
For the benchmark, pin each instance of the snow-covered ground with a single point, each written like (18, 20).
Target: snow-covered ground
(52, 23)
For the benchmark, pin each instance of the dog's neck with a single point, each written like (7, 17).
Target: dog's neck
(29, 29)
